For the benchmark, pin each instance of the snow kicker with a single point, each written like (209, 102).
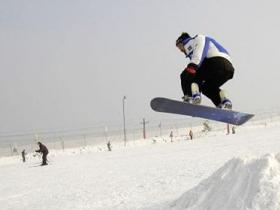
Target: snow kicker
(249, 184)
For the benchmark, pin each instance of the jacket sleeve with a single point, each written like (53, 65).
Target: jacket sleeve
(41, 148)
(200, 49)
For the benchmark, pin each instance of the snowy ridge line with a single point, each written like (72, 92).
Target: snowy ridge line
(116, 130)
(179, 130)
(116, 145)
(133, 132)
(99, 144)
(180, 134)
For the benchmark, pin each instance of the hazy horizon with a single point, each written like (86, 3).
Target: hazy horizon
(68, 64)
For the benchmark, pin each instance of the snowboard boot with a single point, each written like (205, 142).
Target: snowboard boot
(196, 95)
(225, 102)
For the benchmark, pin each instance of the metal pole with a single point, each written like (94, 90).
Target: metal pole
(144, 127)
(124, 129)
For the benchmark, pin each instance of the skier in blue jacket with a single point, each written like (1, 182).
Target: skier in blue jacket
(209, 68)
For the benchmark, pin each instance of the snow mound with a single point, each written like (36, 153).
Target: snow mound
(251, 184)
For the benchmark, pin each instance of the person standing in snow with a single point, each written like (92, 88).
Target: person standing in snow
(191, 134)
(209, 68)
(23, 154)
(44, 150)
(171, 136)
(109, 146)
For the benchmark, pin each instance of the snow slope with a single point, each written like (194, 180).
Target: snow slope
(217, 171)
(239, 184)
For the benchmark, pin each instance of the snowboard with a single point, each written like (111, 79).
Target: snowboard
(211, 113)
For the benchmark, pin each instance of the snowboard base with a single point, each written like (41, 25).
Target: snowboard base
(211, 113)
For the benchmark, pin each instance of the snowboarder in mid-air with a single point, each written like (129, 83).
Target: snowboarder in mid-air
(44, 150)
(209, 68)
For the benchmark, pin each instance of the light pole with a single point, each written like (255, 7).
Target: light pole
(124, 130)
(144, 128)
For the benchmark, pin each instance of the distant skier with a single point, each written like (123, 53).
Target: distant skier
(171, 136)
(209, 68)
(191, 134)
(233, 130)
(23, 155)
(44, 150)
(109, 146)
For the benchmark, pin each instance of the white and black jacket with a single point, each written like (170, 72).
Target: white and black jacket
(200, 47)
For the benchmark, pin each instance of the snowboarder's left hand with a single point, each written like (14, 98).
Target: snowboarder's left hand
(191, 69)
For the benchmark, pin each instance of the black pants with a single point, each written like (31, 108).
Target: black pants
(44, 158)
(210, 76)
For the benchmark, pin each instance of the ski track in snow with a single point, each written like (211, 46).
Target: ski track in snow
(152, 176)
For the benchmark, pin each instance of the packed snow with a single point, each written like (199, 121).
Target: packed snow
(239, 184)
(212, 171)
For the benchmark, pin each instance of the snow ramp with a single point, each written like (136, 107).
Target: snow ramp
(241, 184)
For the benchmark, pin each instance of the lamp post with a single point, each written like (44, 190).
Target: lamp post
(144, 128)
(124, 130)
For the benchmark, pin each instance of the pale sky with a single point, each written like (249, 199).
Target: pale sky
(68, 63)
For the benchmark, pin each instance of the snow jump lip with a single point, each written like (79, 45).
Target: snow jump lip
(178, 107)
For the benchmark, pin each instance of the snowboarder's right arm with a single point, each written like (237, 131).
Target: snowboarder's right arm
(199, 50)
